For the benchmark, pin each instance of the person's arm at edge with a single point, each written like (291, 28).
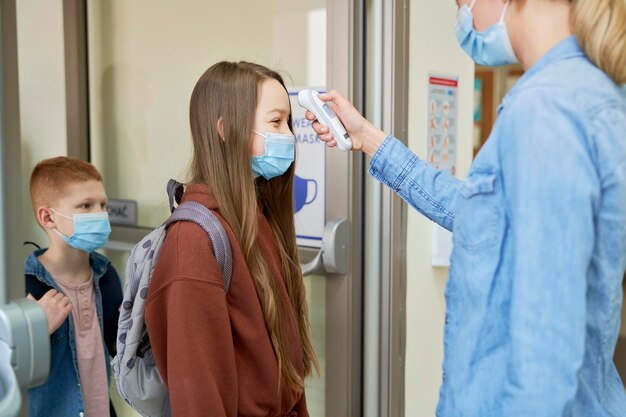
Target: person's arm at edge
(430, 191)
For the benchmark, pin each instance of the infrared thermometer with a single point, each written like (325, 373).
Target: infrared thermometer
(310, 100)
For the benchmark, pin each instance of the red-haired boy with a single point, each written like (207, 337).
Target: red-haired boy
(78, 288)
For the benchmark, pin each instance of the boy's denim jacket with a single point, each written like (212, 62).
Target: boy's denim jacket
(61, 394)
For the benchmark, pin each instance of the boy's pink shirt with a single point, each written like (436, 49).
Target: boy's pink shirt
(89, 347)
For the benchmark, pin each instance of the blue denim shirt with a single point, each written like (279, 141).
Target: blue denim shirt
(539, 231)
(61, 394)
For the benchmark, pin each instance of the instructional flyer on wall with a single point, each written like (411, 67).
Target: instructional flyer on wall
(442, 148)
(442, 122)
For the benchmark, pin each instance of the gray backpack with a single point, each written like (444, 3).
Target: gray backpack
(138, 379)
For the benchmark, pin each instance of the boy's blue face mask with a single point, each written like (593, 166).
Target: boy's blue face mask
(278, 157)
(91, 231)
(491, 47)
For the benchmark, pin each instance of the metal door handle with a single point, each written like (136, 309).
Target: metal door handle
(24, 332)
(333, 255)
(10, 397)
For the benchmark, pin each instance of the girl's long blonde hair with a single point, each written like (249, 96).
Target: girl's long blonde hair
(600, 27)
(229, 91)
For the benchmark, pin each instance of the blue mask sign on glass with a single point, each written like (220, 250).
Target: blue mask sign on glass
(302, 194)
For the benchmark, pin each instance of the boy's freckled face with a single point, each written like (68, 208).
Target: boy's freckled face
(79, 197)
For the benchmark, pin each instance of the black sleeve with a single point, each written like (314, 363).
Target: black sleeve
(35, 287)
(111, 289)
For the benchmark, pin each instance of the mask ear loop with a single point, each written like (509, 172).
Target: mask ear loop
(506, 9)
(471, 6)
(62, 215)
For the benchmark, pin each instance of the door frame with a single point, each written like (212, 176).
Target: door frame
(387, 82)
(394, 210)
(344, 293)
(11, 190)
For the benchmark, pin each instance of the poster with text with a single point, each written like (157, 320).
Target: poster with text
(441, 135)
(442, 122)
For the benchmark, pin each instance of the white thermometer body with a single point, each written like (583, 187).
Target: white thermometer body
(310, 100)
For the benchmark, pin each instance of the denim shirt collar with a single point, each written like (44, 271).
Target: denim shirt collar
(33, 266)
(567, 48)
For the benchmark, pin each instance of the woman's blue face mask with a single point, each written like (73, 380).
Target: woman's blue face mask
(277, 158)
(491, 47)
(91, 230)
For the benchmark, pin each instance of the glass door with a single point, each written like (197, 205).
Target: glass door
(144, 58)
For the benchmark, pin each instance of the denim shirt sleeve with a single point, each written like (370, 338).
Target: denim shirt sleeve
(551, 187)
(429, 191)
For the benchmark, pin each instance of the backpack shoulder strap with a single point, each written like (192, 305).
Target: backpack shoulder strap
(175, 192)
(205, 218)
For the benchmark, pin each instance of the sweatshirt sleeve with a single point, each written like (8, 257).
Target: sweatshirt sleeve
(189, 327)
(301, 407)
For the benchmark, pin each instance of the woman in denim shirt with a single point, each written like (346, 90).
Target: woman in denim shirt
(539, 225)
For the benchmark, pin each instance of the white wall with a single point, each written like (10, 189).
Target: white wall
(42, 93)
(433, 48)
(41, 72)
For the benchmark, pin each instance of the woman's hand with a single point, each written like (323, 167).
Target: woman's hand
(56, 306)
(365, 136)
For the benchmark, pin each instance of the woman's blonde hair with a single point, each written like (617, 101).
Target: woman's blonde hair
(229, 91)
(600, 27)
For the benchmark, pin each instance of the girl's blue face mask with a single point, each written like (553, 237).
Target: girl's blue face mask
(491, 47)
(91, 230)
(278, 157)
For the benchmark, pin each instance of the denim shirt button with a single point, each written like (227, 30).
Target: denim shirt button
(81, 414)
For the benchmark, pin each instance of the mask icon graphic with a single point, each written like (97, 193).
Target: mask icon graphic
(304, 192)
